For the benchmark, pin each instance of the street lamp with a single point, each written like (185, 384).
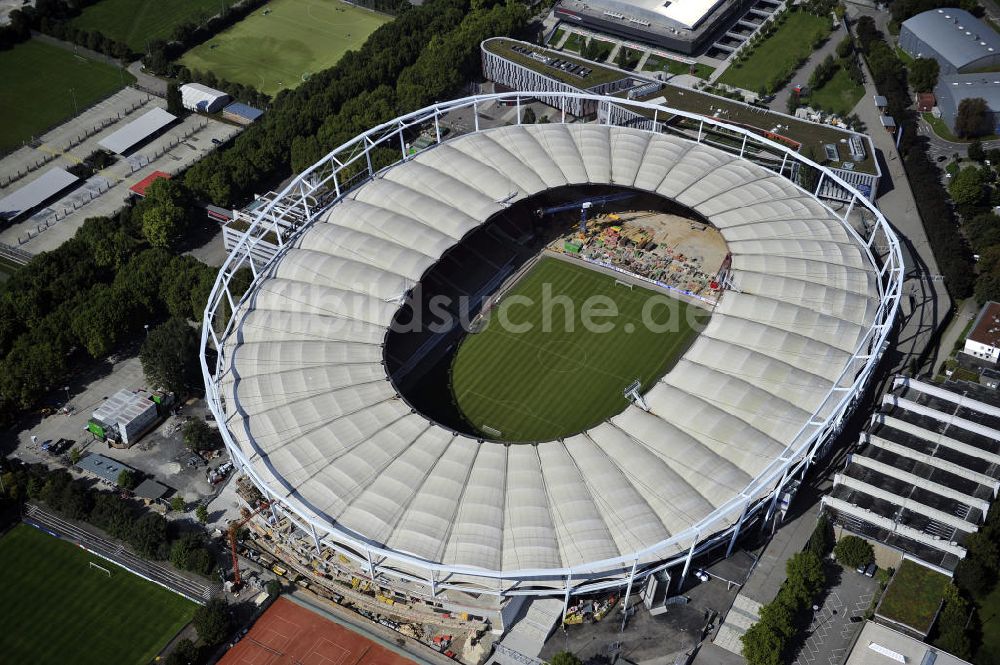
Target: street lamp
(146, 326)
(66, 388)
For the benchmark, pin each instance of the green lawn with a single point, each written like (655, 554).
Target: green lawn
(58, 609)
(574, 43)
(655, 63)
(779, 52)
(556, 37)
(913, 596)
(280, 48)
(39, 82)
(840, 94)
(518, 381)
(137, 21)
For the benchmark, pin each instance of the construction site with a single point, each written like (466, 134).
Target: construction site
(683, 256)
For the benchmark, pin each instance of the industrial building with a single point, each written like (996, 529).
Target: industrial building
(881, 645)
(967, 51)
(960, 42)
(198, 97)
(684, 26)
(925, 473)
(363, 488)
(124, 417)
(241, 113)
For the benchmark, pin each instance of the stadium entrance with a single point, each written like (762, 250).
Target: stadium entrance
(556, 314)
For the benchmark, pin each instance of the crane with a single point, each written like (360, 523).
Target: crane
(234, 526)
(584, 205)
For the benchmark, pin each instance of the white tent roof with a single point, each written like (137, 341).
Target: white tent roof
(35, 192)
(315, 415)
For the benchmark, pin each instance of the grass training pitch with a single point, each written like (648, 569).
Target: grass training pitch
(284, 42)
(39, 83)
(559, 379)
(59, 609)
(136, 22)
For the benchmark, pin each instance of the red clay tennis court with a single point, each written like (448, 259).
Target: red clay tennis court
(287, 634)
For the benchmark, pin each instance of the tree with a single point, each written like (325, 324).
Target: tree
(273, 588)
(924, 74)
(951, 625)
(976, 152)
(973, 118)
(805, 577)
(189, 553)
(126, 479)
(185, 653)
(967, 188)
(845, 47)
(74, 455)
(177, 504)
(169, 357)
(164, 225)
(198, 435)
(148, 536)
(528, 116)
(779, 617)
(212, 621)
(174, 103)
(852, 551)
(822, 539)
(201, 512)
(762, 646)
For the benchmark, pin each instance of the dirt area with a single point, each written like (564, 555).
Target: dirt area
(673, 251)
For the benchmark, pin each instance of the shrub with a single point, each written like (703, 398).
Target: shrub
(852, 551)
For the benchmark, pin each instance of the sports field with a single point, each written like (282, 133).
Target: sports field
(536, 372)
(137, 21)
(39, 82)
(58, 609)
(284, 41)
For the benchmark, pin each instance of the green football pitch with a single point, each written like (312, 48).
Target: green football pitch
(59, 609)
(536, 372)
(39, 85)
(137, 22)
(284, 42)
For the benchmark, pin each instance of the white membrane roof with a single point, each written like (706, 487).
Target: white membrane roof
(307, 398)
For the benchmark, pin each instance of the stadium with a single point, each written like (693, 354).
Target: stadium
(332, 412)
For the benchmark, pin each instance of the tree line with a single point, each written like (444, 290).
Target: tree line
(950, 249)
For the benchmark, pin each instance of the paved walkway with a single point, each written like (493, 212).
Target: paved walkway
(780, 101)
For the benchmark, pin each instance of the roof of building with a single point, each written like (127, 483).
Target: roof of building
(123, 406)
(881, 101)
(141, 186)
(956, 35)
(986, 329)
(151, 490)
(103, 467)
(329, 434)
(881, 645)
(964, 86)
(887, 120)
(137, 131)
(243, 111)
(926, 99)
(35, 192)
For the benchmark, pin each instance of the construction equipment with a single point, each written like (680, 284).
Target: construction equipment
(234, 527)
(584, 205)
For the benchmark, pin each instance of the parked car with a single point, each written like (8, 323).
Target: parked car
(871, 570)
(860, 570)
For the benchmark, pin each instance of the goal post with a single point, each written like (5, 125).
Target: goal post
(106, 571)
(627, 285)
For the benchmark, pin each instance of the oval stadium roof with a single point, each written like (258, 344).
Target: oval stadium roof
(307, 399)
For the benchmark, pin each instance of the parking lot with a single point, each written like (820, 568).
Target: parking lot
(105, 192)
(161, 453)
